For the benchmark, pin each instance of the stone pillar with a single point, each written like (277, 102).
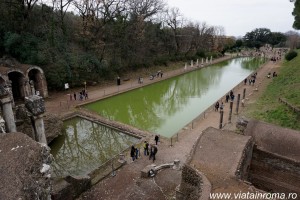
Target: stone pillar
(221, 119)
(40, 129)
(176, 164)
(202, 61)
(197, 63)
(230, 111)
(206, 60)
(36, 106)
(244, 93)
(8, 114)
(210, 59)
(238, 104)
(192, 63)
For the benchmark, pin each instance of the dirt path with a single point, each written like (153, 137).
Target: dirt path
(127, 184)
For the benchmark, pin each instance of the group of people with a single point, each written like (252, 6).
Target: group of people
(274, 74)
(230, 96)
(83, 94)
(158, 74)
(251, 80)
(218, 105)
(149, 150)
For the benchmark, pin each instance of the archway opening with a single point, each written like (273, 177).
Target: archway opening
(16, 79)
(36, 76)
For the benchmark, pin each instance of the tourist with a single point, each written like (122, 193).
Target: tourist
(153, 152)
(221, 107)
(136, 153)
(86, 95)
(217, 106)
(146, 148)
(156, 138)
(245, 81)
(74, 96)
(227, 98)
(232, 97)
(132, 153)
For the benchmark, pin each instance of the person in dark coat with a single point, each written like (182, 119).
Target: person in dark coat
(217, 106)
(153, 152)
(132, 152)
(156, 138)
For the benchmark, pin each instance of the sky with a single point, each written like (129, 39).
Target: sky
(239, 16)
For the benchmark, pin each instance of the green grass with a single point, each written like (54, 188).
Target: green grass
(287, 86)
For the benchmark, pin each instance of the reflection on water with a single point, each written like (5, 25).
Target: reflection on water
(167, 106)
(85, 146)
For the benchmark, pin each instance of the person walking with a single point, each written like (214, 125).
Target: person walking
(146, 148)
(132, 152)
(136, 153)
(153, 152)
(156, 138)
(74, 96)
(221, 106)
(227, 98)
(217, 106)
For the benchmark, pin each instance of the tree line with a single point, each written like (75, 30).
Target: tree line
(92, 40)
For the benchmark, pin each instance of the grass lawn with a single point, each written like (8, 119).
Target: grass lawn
(287, 86)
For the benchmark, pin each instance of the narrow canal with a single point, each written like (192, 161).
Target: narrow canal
(166, 107)
(163, 108)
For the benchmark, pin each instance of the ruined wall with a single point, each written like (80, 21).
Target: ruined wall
(190, 186)
(275, 173)
(53, 124)
(242, 171)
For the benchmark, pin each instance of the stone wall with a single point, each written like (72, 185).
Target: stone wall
(53, 124)
(190, 186)
(275, 173)
(242, 171)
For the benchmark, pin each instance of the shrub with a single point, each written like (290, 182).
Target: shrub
(290, 55)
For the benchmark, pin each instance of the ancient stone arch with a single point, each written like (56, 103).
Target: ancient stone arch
(22, 80)
(16, 84)
(37, 80)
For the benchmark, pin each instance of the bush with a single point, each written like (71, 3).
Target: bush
(290, 55)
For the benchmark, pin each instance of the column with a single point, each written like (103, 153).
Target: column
(8, 114)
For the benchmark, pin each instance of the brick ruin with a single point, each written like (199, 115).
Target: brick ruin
(22, 80)
(263, 159)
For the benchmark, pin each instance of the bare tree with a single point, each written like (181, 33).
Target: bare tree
(174, 20)
(145, 8)
(293, 39)
(61, 6)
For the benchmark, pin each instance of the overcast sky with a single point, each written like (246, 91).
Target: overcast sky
(239, 16)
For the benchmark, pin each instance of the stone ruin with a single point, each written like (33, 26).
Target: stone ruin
(25, 171)
(263, 159)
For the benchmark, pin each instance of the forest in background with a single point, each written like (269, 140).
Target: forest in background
(93, 40)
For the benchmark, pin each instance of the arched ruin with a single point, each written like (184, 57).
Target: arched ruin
(22, 80)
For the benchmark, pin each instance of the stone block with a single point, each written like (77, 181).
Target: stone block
(146, 171)
(35, 105)
(3, 91)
